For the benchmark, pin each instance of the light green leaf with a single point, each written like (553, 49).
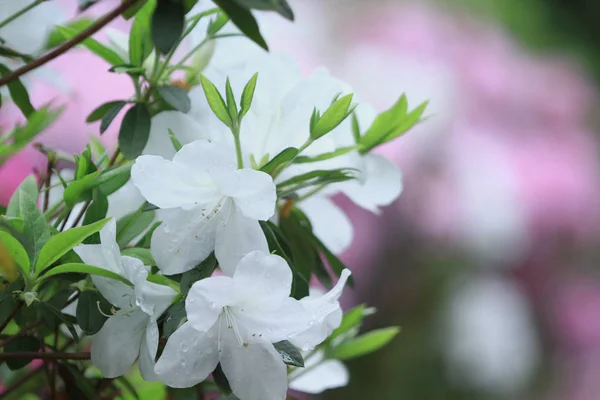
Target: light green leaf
(174, 141)
(108, 181)
(132, 225)
(176, 96)
(352, 319)
(93, 45)
(29, 186)
(285, 156)
(325, 156)
(18, 93)
(61, 243)
(248, 95)
(231, 104)
(364, 344)
(215, 101)
(332, 117)
(79, 268)
(15, 250)
(100, 111)
(140, 40)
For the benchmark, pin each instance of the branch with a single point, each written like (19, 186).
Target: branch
(69, 44)
(45, 356)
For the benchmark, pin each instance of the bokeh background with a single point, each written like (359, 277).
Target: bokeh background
(489, 259)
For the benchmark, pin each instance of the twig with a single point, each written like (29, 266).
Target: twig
(47, 184)
(45, 356)
(81, 213)
(69, 44)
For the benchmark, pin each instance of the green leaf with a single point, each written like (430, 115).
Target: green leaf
(280, 6)
(168, 22)
(364, 344)
(244, 20)
(201, 271)
(56, 38)
(131, 11)
(140, 39)
(144, 255)
(89, 317)
(231, 104)
(248, 95)
(108, 181)
(215, 101)
(174, 318)
(325, 156)
(319, 177)
(96, 211)
(289, 353)
(352, 319)
(221, 380)
(15, 250)
(176, 96)
(93, 45)
(217, 24)
(134, 132)
(110, 115)
(175, 142)
(60, 244)
(355, 128)
(35, 227)
(100, 111)
(28, 186)
(53, 316)
(79, 268)
(18, 93)
(412, 118)
(132, 225)
(18, 345)
(332, 117)
(281, 159)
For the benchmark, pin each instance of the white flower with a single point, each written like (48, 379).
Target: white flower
(132, 331)
(319, 375)
(209, 205)
(235, 320)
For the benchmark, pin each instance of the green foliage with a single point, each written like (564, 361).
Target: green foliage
(331, 118)
(175, 317)
(135, 131)
(89, 317)
(144, 255)
(280, 6)
(82, 269)
(96, 211)
(18, 345)
(15, 250)
(36, 230)
(244, 20)
(108, 181)
(289, 353)
(280, 161)
(140, 39)
(318, 178)
(168, 22)
(364, 344)
(18, 93)
(215, 101)
(28, 186)
(102, 51)
(201, 271)
(248, 95)
(131, 226)
(176, 96)
(61, 243)
(56, 38)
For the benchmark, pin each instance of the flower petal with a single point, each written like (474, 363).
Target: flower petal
(328, 374)
(382, 184)
(206, 300)
(148, 349)
(183, 240)
(116, 346)
(236, 236)
(116, 292)
(105, 255)
(185, 128)
(263, 276)
(255, 195)
(167, 184)
(325, 313)
(153, 298)
(255, 371)
(188, 358)
(202, 155)
(330, 224)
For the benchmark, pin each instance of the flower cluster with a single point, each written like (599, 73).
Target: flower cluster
(193, 248)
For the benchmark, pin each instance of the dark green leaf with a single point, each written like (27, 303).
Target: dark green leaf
(280, 6)
(110, 115)
(100, 111)
(18, 93)
(168, 22)
(131, 11)
(201, 271)
(89, 317)
(95, 212)
(134, 132)
(175, 317)
(53, 316)
(18, 345)
(244, 20)
(133, 225)
(140, 40)
(319, 177)
(176, 96)
(289, 353)
(221, 380)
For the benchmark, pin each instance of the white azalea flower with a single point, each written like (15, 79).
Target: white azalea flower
(132, 331)
(209, 205)
(319, 375)
(235, 320)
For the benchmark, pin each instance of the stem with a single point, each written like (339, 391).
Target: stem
(47, 184)
(45, 356)
(69, 44)
(81, 214)
(238, 146)
(20, 12)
